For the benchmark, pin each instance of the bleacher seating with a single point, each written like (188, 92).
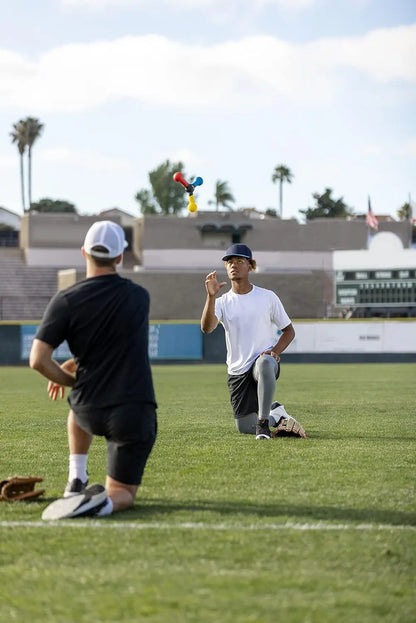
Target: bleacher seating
(24, 290)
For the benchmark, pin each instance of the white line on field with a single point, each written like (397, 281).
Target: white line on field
(119, 525)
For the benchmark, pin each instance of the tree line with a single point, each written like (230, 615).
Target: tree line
(166, 196)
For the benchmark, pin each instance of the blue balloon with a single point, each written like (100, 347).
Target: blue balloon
(198, 181)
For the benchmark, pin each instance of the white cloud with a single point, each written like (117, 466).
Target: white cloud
(8, 161)
(86, 160)
(14, 70)
(155, 70)
(289, 5)
(384, 55)
(97, 4)
(178, 4)
(372, 150)
(181, 155)
(408, 148)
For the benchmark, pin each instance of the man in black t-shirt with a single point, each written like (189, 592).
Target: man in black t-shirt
(105, 320)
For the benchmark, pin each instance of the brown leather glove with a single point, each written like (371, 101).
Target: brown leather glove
(289, 427)
(18, 488)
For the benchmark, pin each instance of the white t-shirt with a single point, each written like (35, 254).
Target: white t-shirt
(251, 323)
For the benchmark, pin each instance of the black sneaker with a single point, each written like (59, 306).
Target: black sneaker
(263, 430)
(85, 504)
(74, 487)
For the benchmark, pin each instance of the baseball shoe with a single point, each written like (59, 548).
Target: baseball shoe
(263, 430)
(86, 504)
(74, 487)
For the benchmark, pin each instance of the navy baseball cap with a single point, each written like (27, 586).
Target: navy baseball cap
(237, 250)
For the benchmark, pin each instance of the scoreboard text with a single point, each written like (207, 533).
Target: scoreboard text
(363, 288)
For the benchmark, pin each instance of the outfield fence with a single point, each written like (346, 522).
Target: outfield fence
(329, 341)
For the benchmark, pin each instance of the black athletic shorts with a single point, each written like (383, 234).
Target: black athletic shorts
(130, 431)
(243, 392)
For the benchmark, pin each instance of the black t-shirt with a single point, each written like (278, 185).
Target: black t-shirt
(105, 321)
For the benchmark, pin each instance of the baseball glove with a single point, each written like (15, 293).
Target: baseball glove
(19, 488)
(289, 427)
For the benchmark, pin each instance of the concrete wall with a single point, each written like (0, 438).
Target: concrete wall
(198, 241)
(173, 254)
(210, 259)
(331, 342)
(9, 218)
(182, 296)
(268, 234)
(54, 239)
(385, 251)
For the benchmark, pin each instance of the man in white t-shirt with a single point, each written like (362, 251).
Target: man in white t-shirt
(257, 330)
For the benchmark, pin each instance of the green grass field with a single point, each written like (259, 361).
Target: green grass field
(225, 529)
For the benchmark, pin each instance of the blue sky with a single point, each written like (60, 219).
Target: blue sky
(230, 87)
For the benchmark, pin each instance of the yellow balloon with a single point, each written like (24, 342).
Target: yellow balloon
(192, 207)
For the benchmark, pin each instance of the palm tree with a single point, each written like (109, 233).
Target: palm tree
(33, 131)
(281, 174)
(25, 132)
(405, 212)
(18, 136)
(222, 195)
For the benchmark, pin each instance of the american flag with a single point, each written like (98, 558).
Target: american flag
(371, 218)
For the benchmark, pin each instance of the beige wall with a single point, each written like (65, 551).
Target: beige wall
(48, 231)
(182, 296)
(173, 256)
(210, 259)
(268, 234)
(156, 237)
(55, 239)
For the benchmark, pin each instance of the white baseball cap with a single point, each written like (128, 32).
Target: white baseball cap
(108, 235)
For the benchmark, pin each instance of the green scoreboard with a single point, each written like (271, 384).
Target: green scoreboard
(363, 288)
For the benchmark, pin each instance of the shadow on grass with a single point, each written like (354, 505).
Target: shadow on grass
(155, 511)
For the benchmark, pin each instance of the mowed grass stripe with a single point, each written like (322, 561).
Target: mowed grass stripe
(94, 524)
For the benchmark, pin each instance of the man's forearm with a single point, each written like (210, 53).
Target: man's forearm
(209, 320)
(53, 372)
(69, 366)
(285, 339)
(40, 359)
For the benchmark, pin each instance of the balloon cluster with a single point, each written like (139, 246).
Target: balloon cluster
(198, 181)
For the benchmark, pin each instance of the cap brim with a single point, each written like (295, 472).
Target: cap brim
(227, 257)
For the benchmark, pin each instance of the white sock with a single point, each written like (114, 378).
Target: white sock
(107, 509)
(78, 467)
